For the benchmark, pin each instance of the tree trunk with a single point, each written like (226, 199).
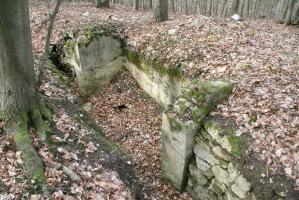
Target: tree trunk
(18, 95)
(136, 5)
(161, 10)
(289, 13)
(17, 78)
(102, 3)
(235, 7)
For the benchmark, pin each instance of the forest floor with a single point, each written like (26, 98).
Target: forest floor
(260, 57)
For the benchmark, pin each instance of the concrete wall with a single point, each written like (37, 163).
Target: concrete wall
(201, 154)
(95, 64)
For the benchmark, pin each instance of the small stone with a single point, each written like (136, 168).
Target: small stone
(236, 17)
(190, 182)
(233, 172)
(202, 151)
(221, 175)
(221, 154)
(197, 175)
(205, 134)
(86, 14)
(238, 191)
(202, 165)
(87, 107)
(172, 31)
(288, 171)
(205, 168)
(241, 187)
(230, 196)
(243, 183)
(217, 187)
(204, 193)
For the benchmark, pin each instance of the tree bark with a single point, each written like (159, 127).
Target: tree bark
(289, 13)
(18, 95)
(136, 5)
(161, 10)
(17, 78)
(102, 3)
(47, 44)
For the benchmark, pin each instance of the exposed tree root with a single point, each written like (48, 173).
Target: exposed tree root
(68, 172)
(45, 111)
(32, 162)
(40, 126)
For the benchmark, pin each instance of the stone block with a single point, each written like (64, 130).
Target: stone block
(221, 175)
(223, 133)
(94, 64)
(217, 187)
(178, 144)
(204, 167)
(221, 154)
(202, 151)
(196, 174)
(241, 187)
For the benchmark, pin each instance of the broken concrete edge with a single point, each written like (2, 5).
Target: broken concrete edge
(86, 35)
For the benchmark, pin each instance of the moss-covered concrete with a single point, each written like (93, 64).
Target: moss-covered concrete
(223, 132)
(146, 64)
(199, 98)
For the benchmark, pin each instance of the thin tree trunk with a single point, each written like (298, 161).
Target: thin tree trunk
(102, 3)
(136, 5)
(47, 45)
(288, 17)
(161, 10)
(235, 7)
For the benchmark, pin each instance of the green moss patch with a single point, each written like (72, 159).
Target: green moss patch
(146, 65)
(238, 145)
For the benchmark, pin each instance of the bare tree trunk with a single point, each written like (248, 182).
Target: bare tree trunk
(235, 6)
(136, 5)
(17, 79)
(161, 10)
(102, 3)
(18, 95)
(288, 17)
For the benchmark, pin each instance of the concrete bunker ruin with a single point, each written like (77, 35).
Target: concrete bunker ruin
(201, 154)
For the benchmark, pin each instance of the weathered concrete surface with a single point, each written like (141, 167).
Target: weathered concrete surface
(181, 122)
(96, 63)
(162, 88)
(177, 149)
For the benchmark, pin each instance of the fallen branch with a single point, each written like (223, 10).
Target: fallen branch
(67, 171)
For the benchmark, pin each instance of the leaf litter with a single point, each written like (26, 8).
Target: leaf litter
(258, 56)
